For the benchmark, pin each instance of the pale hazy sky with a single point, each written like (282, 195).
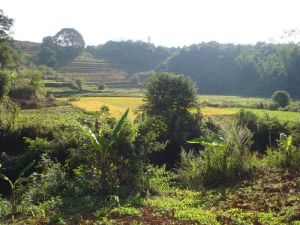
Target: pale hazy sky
(167, 22)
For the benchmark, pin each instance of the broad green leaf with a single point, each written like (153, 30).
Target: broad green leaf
(214, 140)
(289, 141)
(7, 179)
(118, 127)
(195, 141)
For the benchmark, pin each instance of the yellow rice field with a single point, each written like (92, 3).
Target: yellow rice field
(118, 105)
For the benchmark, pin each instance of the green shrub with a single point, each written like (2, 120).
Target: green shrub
(101, 87)
(158, 179)
(49, 183)
(5, 207)
(73, 98)
(56, 218)
(24, 92)
(281, 98)
(189, 170)
(265, 130)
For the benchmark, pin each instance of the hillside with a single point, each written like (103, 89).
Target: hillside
(29, 49)
(92, 70)
(95, 71)
(223, 69)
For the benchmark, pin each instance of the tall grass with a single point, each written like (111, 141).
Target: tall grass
(221, 162)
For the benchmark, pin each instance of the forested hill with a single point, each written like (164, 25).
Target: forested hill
(217, 68)
(240, 69)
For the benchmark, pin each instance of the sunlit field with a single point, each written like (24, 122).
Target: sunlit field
(118, 105)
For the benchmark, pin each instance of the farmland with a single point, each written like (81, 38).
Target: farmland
(118, 105)
(130, 132)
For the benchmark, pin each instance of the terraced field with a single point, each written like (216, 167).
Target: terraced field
(95, 71)
(29, 49)
(118, 105)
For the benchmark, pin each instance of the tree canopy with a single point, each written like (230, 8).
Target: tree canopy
(232, 69)
(5, 25)
(10, 58)
(64, 46)
(171, 97)
(281, 98)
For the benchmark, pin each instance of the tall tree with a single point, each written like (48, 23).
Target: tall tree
(9, 57)
(5, 25)
(171, 97)
(69, 44)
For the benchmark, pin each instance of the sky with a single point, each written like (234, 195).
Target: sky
(171, 23)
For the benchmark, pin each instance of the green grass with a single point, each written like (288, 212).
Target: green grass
(280, 115)
(270, 198)
(218, 99)
(50, 117)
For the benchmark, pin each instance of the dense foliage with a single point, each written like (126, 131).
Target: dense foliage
(281, 98)
(171, 97)
(5, 25)
(139, 56)
(257, 69)
(10, 57)
(63, 47)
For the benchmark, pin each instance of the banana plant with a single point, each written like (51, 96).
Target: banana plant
(214, 143)
(101, 144)
(13, 185)
(286, 145)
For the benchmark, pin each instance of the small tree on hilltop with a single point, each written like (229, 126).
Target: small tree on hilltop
(69, 44)
(281, 98)
(173, 98)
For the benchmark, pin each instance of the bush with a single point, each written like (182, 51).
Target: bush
(24, 92)
(101, 87)
(265, 130)
(281, 98)
(157, 179)
(73, 98)
(5, 207)
(48, 184)
(79, 83)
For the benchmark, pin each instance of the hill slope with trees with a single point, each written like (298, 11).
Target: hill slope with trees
(217, 68)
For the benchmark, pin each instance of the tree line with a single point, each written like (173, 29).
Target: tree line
(257, 69)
